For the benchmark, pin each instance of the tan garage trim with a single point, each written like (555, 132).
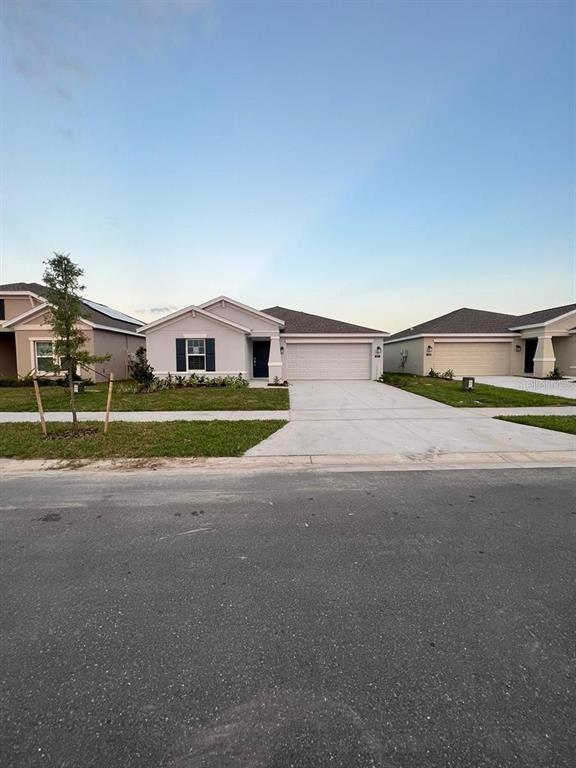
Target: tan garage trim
(473, 358)
(328, 361)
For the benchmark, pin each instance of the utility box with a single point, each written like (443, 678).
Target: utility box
(78, 388)
(468, 383)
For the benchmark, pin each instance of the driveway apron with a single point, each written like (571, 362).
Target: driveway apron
(366, 417)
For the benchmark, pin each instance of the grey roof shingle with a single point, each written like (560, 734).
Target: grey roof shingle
(303, 322)
(542, 316)
(463, 320)
(90, 313)
(467, 320)
(37, 288)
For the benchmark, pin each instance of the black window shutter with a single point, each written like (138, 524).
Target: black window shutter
(180, 354)
(2, 311)
(210, 355)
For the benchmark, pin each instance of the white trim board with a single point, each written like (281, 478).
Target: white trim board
(431, 334)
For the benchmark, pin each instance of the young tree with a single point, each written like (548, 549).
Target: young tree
(141, 370)
(62, 279)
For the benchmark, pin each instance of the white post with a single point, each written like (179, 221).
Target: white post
(544, 357)
(274, 360)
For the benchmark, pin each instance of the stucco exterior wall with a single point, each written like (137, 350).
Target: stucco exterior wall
(27, 334)
(121, 346)
(415, 362)
(231, 346)
(17, 305)
(565, 351)
(8, 367)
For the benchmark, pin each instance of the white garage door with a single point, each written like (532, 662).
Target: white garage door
(473, 359)
(328, 361)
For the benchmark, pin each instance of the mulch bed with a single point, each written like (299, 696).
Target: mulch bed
(73, 433)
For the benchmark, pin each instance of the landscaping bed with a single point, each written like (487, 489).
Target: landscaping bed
(134, 440)
(482, 396)
(556, 423)
(21, 399)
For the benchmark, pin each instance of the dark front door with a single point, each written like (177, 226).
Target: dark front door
(261, 352)
(529, 352)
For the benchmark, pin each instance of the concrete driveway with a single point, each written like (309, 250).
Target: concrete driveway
(365, 417)
(561, 388)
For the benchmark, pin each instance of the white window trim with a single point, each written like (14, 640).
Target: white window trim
(34, 356)
(188, 354)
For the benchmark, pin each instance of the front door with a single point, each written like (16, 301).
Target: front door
(529, 352)
(261, 353)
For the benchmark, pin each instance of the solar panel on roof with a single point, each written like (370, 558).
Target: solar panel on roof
(112, 312)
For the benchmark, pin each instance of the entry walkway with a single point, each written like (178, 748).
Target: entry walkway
(559, 387)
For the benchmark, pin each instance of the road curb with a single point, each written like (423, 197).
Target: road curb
(337, 463)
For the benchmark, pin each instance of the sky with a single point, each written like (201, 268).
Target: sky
(377, 162)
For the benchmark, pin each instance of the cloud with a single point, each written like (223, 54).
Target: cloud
(158, 310)
(32, 34)
(172, 7)
(65, 133)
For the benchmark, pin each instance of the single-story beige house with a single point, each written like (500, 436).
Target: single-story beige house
(26, 337)
(225, 337)
(473, 342)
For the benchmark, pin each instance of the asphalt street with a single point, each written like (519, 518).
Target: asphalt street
(351, 620)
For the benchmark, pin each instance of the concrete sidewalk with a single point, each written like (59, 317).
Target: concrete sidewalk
(7, 417)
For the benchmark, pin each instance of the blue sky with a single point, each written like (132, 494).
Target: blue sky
(381, 162)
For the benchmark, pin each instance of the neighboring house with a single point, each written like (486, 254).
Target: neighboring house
(26, 337)
(474, 342)
(225, 337)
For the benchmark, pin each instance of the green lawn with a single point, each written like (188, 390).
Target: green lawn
(557, 423)
(136, 440)
(482, 396)
(20, 399)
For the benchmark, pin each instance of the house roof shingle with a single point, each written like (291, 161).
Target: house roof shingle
(463, 320)
(542, 316)
(303, 322)
(467, 320)
(36, 288)
(97, 313)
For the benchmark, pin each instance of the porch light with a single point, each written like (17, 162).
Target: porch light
(518, 348)
(429, 349)
(378, 351)
(281, 350)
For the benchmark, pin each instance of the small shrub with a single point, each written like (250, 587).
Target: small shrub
(141, 370)
(52, 381)
(555, 374)
(449, 374)
(182, 382)
(434, 374)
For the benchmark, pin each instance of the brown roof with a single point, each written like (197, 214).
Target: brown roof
(543, 315)
(97, 313)
(463, 320)
(303, 322)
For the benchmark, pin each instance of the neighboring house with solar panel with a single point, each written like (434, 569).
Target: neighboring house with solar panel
(26, 336)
